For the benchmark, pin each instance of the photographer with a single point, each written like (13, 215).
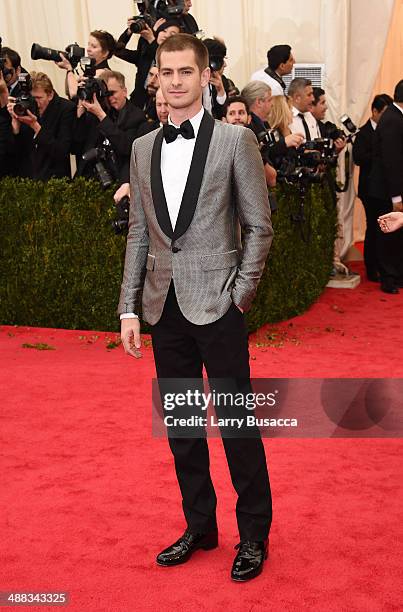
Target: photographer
(363, 149)
(236, 112)
(300, 93)
(42, 130)
(259, 98)
(101, 47)
(385, 189)
(111, 120)
(328, 129)
(143, 57)
(280, 63)
(187, 22)
(220, 87)
(12, 70)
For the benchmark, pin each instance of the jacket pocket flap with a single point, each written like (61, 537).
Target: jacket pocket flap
(220, 261)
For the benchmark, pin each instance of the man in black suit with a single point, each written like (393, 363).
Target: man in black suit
(386, 190)
(41, 142)
(220, 87)
(362, 153)
(115, 120)
(194, 183)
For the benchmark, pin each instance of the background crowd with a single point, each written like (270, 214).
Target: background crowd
(96, 122)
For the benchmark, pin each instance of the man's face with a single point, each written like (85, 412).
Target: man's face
(237, 115)
(42, 99)
(286, 67)
(152, 81)
(303, 99)
(180, 78)
(171, 31)
(12, 76)
(319, 109)
(118, 97)
(162, 107)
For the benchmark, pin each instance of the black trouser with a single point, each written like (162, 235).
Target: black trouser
(180, 350)
(370, 254)
(389, 247)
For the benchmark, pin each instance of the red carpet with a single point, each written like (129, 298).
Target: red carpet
(89, 498)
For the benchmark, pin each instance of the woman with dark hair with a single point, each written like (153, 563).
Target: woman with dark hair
(101, 46)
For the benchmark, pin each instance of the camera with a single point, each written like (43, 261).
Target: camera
(266, 139)
(92, 85)
(121, 223)
(216, 63)
(140, 23)
(307, 163)
(106, 163)
(25, 102)
(152, 10)
(73, 53)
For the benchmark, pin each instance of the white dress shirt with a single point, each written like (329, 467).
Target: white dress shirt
(176, 158)
(261, 75)
(297, 127)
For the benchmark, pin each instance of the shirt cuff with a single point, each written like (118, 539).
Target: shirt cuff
(396, 200)
(128, 315)
(221, 99)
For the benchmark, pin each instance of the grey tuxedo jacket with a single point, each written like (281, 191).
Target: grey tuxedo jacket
(203, 255)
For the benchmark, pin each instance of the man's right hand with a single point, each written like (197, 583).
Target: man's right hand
(294, 140)
(130, 336)
(391, 221)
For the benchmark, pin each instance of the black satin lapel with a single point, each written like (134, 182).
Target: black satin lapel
(157, 188)
(195, 176)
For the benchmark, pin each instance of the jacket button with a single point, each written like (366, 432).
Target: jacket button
(175, 249)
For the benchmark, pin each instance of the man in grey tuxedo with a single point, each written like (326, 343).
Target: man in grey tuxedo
(194, 184)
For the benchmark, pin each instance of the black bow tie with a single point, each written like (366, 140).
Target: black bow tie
(171, 132)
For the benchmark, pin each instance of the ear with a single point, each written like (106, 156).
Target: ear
(205, 77)
(224, 120)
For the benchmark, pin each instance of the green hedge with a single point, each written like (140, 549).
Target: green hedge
(61, 264)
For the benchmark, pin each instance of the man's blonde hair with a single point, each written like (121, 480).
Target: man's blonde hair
(40, 79)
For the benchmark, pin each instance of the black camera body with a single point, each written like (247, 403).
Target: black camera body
(216, 62)
(140, 23)
(92, 85)
(152, 10)
(105, 163)
(73, 53)
(121, 223)
(25, 101)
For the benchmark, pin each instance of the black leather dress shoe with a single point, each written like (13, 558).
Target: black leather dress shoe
(182, 549)
(249, 561)
(389, 288)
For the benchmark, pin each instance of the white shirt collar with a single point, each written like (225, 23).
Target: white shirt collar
(374, 125)
(195, 121)
(297, 112)
(399, 107)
